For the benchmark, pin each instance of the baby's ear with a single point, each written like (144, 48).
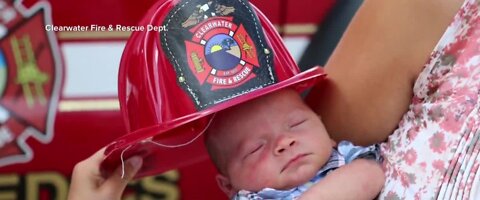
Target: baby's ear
(225, 185)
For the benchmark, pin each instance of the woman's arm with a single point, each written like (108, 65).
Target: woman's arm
(372, 71)
(361, 179)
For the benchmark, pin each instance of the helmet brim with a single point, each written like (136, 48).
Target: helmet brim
(150, 142)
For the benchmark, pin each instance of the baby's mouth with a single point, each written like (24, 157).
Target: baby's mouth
(293, 160)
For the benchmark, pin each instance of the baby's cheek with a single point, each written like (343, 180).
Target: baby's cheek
(259, 174)
(253, 170)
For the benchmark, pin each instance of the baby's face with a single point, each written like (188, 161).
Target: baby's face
(276, 142)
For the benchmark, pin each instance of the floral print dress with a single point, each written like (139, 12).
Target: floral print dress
(435, 151)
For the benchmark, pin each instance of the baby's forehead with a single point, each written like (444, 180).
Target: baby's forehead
(280, 101)
(254, 114)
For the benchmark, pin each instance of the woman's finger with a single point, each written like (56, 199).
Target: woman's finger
(115, 184)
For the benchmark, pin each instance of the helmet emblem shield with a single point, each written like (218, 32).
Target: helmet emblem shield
(218, 50)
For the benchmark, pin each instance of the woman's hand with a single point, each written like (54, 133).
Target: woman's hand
(87, 182)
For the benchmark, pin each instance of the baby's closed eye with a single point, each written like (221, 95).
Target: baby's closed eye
(254, 150)
(296, 123)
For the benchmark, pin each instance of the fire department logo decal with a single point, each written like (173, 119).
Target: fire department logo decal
(218, 50)
(225, 57)
(30, 77)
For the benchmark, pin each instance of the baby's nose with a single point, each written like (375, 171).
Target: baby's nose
(284, 144)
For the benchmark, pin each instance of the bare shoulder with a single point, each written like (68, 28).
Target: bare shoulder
(373, 69)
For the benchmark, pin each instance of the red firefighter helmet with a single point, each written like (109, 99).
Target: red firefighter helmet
(192, 59)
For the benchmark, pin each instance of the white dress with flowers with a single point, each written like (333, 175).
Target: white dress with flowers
(435, 151)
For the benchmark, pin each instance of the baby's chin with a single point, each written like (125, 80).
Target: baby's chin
(297, 176)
